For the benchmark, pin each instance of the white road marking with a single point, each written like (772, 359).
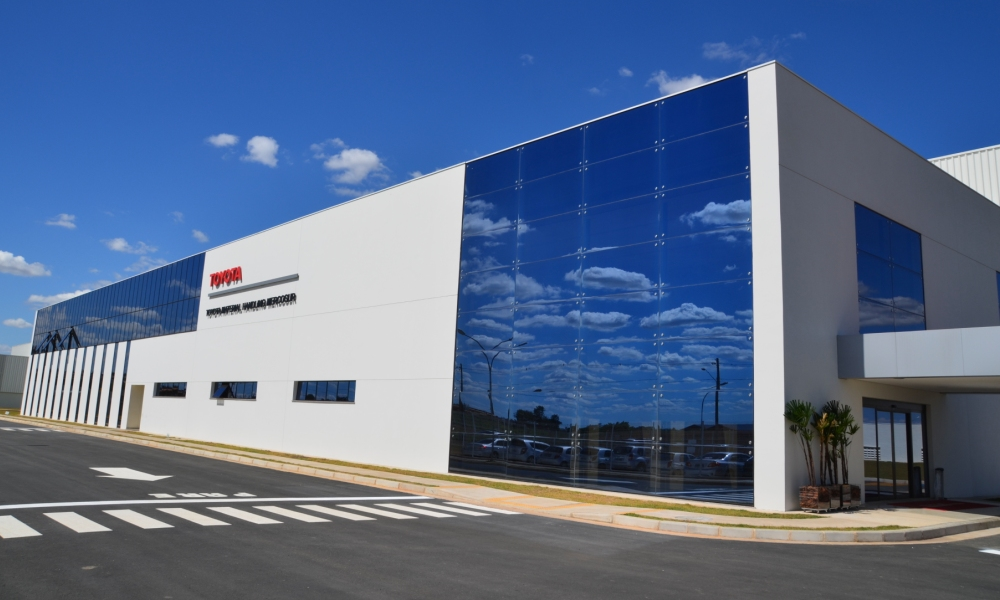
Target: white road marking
(190, 515)
(244, 515)
(292, 514)
(990, 551)
(138, 519)
(27, 429)
(8, 428)
(77, 523)
(162, 495)
(12, 528)
(418, 511)
(190, 495)
(123, 473)
(213, 495)
(7, 507)
(335, 513)
(244, 495)
(45, 430)
(460, 511)
(375, 511)
(486, 508)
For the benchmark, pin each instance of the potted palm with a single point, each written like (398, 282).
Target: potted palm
(834, 428)
(800, 416)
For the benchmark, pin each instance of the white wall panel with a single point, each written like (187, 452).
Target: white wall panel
(376, 303)
(830, 159)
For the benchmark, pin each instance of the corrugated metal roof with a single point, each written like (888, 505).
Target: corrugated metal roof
(978, 169)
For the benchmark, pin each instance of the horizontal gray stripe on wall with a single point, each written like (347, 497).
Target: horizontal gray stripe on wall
(254, 286)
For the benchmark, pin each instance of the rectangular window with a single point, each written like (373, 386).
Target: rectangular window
(325, 391)
(176, 389)
(238, 390)
(890, 274)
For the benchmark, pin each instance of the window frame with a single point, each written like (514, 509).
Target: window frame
(156, 389)
(300, 388)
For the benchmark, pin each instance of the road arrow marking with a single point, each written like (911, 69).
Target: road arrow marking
(122, 473)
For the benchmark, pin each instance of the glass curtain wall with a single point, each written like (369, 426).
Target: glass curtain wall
(605, 317)
(159, 302)
(890, 274)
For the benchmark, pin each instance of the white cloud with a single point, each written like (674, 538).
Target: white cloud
(714, 332)
(608, 321)
(622, 353)
(222, 140)
(18, 323)
(750, 52)
(262, 149)
(178, 216)
(610, 278)
(16, 265)
(727, 352)
(43, 301)
(595, 91)
(488, 324)
(199, 235)
(319, 150)
(63, 220)
(527, 59)
(145, 263)
(668, 85)
(475, 220)
(415, 174)
(685, 314)
(5, 349)
(353, 165)
(625, 72)
(120, 245)
(735, 212)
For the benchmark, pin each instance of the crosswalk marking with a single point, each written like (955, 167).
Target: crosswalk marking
(77, 523)
(244, 515)
(990, 551)
(486, 508)
(138, 519)
(293, 514)
(375, 511)
(10, 527)
(190, 515)
(415, 510)
(460, 511)
(333, 512)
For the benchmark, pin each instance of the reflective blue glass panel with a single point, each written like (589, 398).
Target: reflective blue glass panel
(874, 278)
(588, 363)
(624, 177)
(496, 210)
(905, 247)
(624, 133)
(890, 267)
(872, 231)
(552, 195)
(135, 308)
(707, 156)
(552, 154)
(492, 173)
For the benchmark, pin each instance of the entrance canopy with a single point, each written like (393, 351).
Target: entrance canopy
(942, 360)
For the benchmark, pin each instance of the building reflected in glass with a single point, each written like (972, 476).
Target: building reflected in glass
(605, 319)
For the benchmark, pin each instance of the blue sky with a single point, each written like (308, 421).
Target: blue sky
(113, 160)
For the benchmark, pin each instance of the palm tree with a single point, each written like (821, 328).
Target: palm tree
(799, 414)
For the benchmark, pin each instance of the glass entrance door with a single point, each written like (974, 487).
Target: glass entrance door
(895, 450)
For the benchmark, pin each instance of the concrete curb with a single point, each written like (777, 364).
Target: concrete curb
(447, 492)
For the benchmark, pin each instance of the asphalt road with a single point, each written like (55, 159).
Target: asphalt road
(491, 556)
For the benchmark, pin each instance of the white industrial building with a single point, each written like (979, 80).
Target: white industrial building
(866, 274)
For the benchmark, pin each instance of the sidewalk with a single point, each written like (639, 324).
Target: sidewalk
(876, 524)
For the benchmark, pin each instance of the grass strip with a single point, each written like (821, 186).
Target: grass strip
(567, 495)
(785, 527)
